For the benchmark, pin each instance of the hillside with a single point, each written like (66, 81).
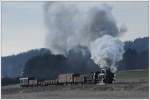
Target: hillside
(50, 66)
(77, 60)
(140, 44)
(13, 66)
(136, 54)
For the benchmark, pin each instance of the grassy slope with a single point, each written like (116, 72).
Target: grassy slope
(133, 75)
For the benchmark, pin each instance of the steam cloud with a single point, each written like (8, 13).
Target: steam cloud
(91, 25)
(106, 51)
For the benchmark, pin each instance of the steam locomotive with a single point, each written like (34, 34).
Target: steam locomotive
(101, 76)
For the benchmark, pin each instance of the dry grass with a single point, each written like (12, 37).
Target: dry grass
(128, 85)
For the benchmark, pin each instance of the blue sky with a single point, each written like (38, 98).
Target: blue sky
(23, 26)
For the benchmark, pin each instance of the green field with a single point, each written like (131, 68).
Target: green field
(133, 75)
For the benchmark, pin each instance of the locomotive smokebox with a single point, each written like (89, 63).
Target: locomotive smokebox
(104, 76)
(100, 77)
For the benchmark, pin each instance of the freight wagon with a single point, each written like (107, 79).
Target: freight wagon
(65, 78)
(28, 81)
(101, 76)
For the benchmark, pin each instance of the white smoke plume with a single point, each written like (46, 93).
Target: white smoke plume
(76, 23)
(106, 51)
(73, 24)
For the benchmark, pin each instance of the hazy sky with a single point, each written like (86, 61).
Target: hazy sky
(23, 25)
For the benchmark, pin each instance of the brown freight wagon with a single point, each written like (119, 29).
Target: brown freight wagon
(46, 82)
(65, 78)
(89, 78)
(62, 78)
(77, 79)
(83, 78)
(53, 82)
(33, 83)
(42, 83)
(69, 78)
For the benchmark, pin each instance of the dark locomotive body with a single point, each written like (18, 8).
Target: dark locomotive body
(101, 76)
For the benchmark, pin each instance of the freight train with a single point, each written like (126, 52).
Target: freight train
(101, 76)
